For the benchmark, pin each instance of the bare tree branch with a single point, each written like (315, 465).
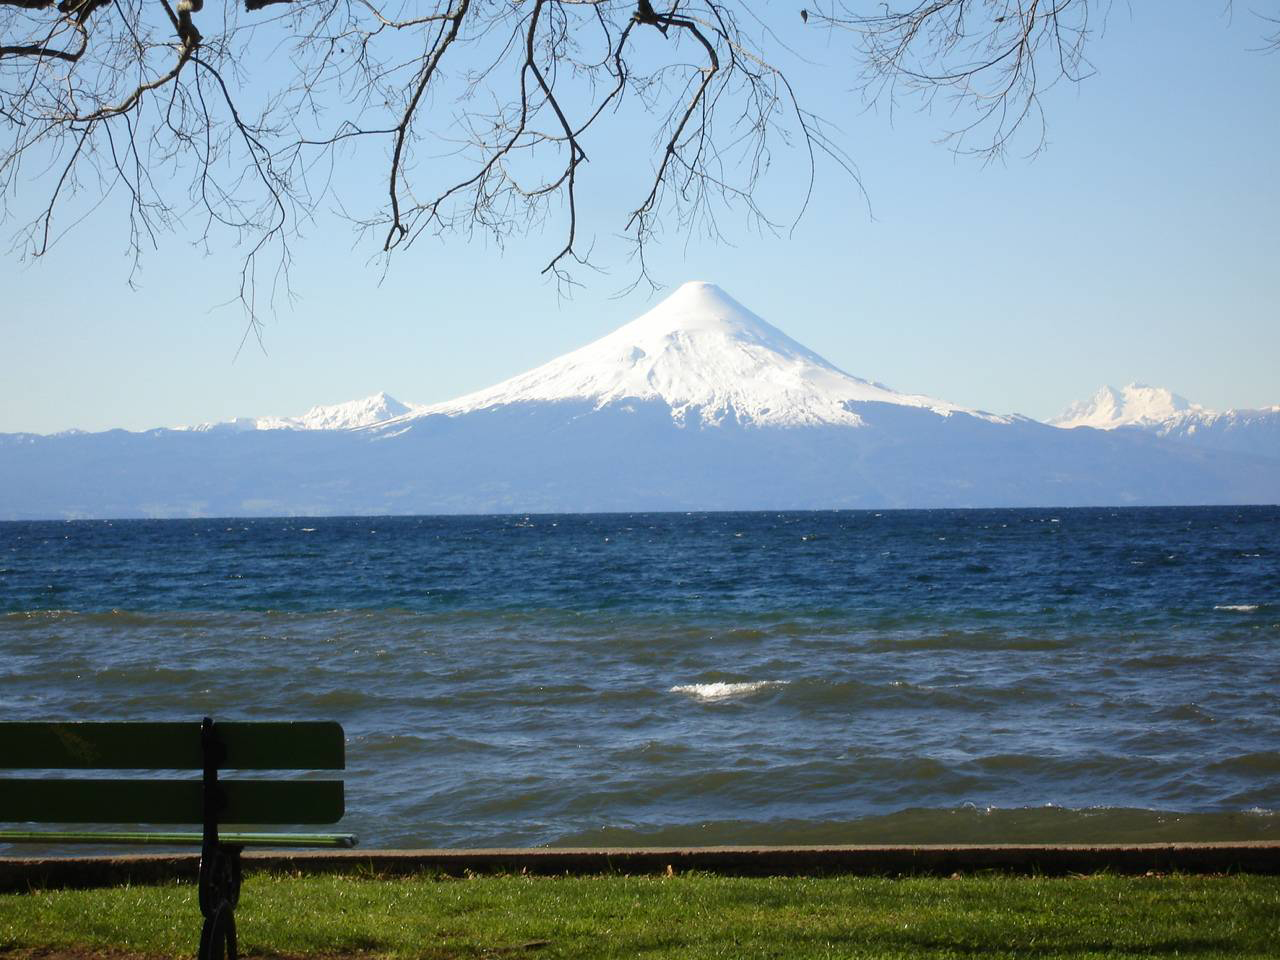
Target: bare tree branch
(474, 117)
(994, 60)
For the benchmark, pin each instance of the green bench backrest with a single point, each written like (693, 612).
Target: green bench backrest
(169, 746)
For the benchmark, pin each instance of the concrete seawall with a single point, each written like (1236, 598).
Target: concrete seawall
(18, 873)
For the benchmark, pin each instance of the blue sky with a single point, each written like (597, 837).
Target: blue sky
(1142, 245)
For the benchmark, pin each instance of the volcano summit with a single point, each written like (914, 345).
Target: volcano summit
(699, 404)
(706, 357)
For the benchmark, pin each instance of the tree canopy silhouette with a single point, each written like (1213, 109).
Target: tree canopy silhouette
(243, 124)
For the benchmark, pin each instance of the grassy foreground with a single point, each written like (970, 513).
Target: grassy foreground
(695, 915)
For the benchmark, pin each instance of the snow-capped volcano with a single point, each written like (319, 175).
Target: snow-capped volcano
(699, 404)
(1134, 405)
(710, 360)
(1162, 413)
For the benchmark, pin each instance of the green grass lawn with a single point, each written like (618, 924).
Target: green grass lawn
(695, 915)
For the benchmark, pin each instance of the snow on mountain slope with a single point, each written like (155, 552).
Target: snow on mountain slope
(356, 413)
(1134, 405)
(710, 360)
(1164, 414)
(1255, 432)
(338, 416)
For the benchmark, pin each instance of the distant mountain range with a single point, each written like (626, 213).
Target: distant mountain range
(697, 405)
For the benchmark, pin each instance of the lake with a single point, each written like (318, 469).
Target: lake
(906, 676)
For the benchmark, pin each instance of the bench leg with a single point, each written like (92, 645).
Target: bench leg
(218, 935)
(219, 894)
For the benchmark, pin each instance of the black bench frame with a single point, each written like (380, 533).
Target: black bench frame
(220, 875)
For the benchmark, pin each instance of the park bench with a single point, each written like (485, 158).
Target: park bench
(209, 801)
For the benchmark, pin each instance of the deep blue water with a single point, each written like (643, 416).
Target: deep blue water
(661, 678)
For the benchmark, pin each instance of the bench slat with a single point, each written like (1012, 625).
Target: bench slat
(311, 745)
(168, 801)
(58, 838)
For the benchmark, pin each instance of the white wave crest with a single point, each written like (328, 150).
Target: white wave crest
(709, 692)
(1238, 607)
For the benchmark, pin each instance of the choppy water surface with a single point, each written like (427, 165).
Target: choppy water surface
(662, 678)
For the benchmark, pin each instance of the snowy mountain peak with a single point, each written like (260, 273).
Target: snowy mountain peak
(702, 307)
(1136, 404)
(355, 413)
(339, 416)
(709, 359)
